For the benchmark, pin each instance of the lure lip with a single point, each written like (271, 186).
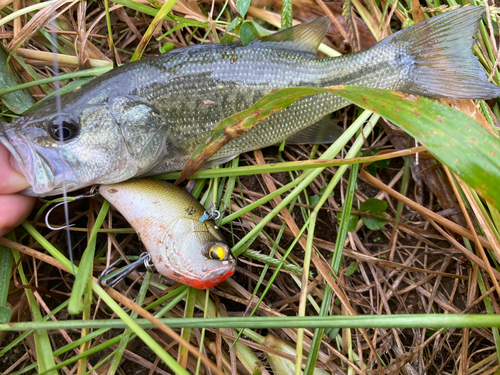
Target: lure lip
(208, 279)
(211, 280)
(210, 283)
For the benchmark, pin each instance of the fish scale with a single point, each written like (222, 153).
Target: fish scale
(147, 117)
(233, 98)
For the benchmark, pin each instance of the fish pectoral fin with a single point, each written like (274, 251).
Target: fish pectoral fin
(323, 131)
(217, 161)
(305, 37)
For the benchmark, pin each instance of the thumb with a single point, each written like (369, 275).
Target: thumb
(12, 180)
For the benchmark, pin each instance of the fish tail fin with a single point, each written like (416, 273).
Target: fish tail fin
(442, 64)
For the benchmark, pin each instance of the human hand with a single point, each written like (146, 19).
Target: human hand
(14, 208)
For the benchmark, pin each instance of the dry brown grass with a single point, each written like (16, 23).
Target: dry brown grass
(434, 260)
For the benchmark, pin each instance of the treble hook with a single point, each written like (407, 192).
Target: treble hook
(93, 192)
(109, 278)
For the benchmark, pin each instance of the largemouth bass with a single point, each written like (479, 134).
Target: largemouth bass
(185, 246)
(147, 117)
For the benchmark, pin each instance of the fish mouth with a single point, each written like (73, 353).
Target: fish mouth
(42, 167)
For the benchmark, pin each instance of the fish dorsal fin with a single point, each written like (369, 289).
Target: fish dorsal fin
(323, 131)
(305, 37)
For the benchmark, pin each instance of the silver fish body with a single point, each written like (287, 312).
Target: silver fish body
(184, 245)
(147, 117)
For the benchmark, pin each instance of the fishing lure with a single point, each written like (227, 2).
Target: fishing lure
(182, 239)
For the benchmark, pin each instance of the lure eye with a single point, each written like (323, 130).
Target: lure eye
(64, 131)
(217, 252)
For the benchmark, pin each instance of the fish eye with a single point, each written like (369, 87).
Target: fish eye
(218, 252)
(65, 130)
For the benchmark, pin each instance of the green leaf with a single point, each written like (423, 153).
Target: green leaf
(377, 207)
(332, 333)
(5, 314)
(349, 271)
(242, 6)
(322, 191)
(246, 33)
(373, 223)
(18, 102)
(226, 38)
(373, 206)
(314, 199)
(169, 17)
(167, 47)
(352, 222)
(451, 136)
(233, 24)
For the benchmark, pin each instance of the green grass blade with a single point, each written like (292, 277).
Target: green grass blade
(92, 72)
(132, 324)
(157, 21)
(125, 336)
(243, 352)
(186, 332)
(303, 181)
(435, 321)
(5, 273)
(286, 14)
(110, 31)
(153, 345)
(42, 342)
(177, 295)
(76, 304)
(236, 171)
(27, 10)
(336, 262)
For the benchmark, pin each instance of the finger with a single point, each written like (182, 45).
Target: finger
(12, 180)
(14, 209)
